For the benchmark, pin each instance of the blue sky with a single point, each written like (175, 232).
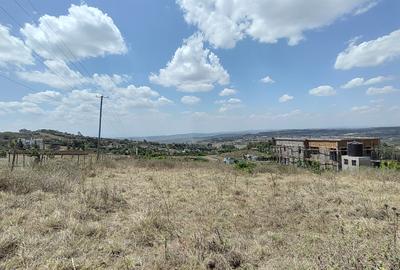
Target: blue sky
(165, 64)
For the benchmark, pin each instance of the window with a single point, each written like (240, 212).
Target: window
(333, 155)
(346, 162)
(354, 162)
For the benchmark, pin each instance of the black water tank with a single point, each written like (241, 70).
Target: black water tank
(355, 149)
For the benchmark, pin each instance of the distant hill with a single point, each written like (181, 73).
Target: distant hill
(388, 134)
(189, 137)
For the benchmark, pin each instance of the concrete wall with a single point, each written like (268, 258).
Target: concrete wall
(290, 151)
(354, 163)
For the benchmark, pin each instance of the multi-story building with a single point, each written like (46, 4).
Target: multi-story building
(327, 152)
(290, 150)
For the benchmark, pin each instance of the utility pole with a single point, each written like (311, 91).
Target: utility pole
(99, 137)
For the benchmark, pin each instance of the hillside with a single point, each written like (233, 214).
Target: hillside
(165, 214)
(388, 134)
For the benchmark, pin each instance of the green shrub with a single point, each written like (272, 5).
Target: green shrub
(314, 166)
(390, 164)
(245, 166)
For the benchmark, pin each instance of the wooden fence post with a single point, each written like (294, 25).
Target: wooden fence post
(13, 160)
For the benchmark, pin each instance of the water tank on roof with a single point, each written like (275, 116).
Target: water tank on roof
(355, 149)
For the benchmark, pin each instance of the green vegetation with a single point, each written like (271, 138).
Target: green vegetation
(314, 166)
(263, 147)
(56, 140)
(245, 166)
(390, 164)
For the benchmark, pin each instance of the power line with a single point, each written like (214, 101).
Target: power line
(16, 1)
(38, 57)
(17, 82)
(51, 29)
(31, 4)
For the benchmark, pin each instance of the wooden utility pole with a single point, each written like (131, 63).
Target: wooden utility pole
(100, 116)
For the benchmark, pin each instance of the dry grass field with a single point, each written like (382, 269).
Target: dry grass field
(165, 214)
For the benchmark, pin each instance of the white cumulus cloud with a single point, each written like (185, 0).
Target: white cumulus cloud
(323, 90)
(370, 53)
(190, 100)
(381, 90)
(83, 105)
(228, 92)
(19, 107)
(356, 82)
(85, 32)
(285, 98)
(229, 104)
(57, 75)
(267, 80)
(224, 22)
(106, 81)
(368, 108)
(138, 97)
(13, 50)
(49, 97)
(192, 69)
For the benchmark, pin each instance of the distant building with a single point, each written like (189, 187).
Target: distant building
(30, 143)
(229, 160)
(354, 163)
(356, 157)
(251, 157)
(290, 150)
(327, 152)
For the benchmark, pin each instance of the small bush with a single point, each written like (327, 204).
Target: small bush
(314, 166)
(3, 154)
(245, 166)
(390, 164)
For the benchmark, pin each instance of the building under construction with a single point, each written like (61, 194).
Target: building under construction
(326, 152)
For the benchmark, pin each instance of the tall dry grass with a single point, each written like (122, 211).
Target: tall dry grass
(135, 214)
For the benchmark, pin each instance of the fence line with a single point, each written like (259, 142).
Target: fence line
(23, 158)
